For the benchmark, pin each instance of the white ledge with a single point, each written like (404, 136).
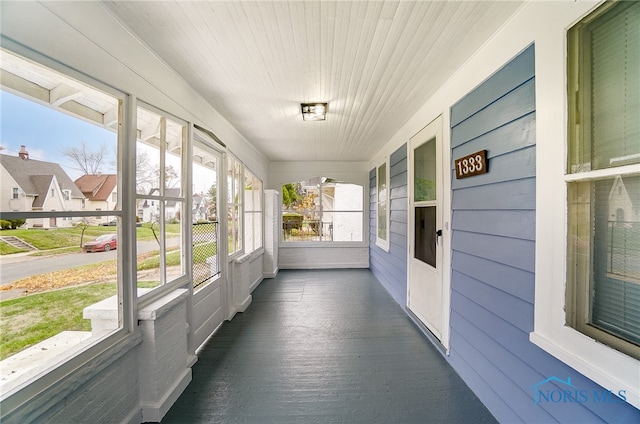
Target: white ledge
(156, 309)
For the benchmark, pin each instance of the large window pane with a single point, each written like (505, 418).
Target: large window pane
(603, 275)
(322, 209)
(234, 204)
(605, 252)
(382, 217)
(66, 178)
(161, 201)
(607, 132)
(253, 212)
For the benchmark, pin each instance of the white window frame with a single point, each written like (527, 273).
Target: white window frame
(383, 243)
(604, 365)
(325, 243)
(100, 350)
(167, 286)
(255, 215)
(235, 192)
(15, 193)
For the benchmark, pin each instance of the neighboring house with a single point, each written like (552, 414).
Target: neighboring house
(622, 206)
(34, 185)
(149, 209)
(100, 191)
(199, 208)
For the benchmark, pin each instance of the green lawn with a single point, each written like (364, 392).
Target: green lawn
(70, 237)
(30, 319)
(7, 249)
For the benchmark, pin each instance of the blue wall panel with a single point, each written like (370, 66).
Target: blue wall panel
(493, 258)
(390, 268)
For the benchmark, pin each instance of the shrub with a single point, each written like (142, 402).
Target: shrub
(4, 224)
(15, 223)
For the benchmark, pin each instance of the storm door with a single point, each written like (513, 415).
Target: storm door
(425, 292)
(208, 283)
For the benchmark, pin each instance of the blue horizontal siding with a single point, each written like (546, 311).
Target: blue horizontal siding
(493, 258)
(521, 133)
(515, 281)
(513, 166)
(504, 111)
(496, 365)
(506, 223)
(493, 241)
(390, 268)
(517, 253)
(508, 307)
(502, 82)
(518, 194)
(506, 351)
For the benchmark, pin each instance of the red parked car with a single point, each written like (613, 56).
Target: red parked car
(104, 243)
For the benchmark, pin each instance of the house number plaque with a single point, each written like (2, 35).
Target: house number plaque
(470, 165)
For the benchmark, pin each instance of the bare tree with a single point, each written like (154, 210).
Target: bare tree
(146, 175)
(212, 199)
(86, 160)
(83, 225)
(171, 176)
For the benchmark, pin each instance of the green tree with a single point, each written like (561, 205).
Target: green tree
(289, 194)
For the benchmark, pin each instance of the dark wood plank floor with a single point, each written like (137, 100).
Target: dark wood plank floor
(325, 346)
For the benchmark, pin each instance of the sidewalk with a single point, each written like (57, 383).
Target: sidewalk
(19, 257)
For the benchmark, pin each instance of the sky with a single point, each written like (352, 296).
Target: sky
(46, 132)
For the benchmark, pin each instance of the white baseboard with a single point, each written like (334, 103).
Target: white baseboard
(271, 274)
(134, 417)
(154, 411)
(245, 304)
(324, 265)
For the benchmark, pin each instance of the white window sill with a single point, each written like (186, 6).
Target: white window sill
(383, 246)
(321, 244)
(608, 367)
(248, 256)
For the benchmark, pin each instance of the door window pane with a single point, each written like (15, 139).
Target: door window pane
(425, 234)
(425, 172)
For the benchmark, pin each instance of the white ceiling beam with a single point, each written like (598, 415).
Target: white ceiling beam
(62, 93)
(150, 131)
(22, 87)
(110, 117)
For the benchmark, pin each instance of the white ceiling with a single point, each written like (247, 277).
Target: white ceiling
(374, 62)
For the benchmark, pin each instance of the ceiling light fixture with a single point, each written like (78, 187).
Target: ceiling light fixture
(314, 111)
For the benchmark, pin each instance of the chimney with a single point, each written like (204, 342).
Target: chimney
(23, 153)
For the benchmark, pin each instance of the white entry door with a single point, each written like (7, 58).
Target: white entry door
(207, 270)
(425, 288)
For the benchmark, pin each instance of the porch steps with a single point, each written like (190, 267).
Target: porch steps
(17, 243)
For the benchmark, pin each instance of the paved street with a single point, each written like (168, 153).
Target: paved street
(18, 266)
